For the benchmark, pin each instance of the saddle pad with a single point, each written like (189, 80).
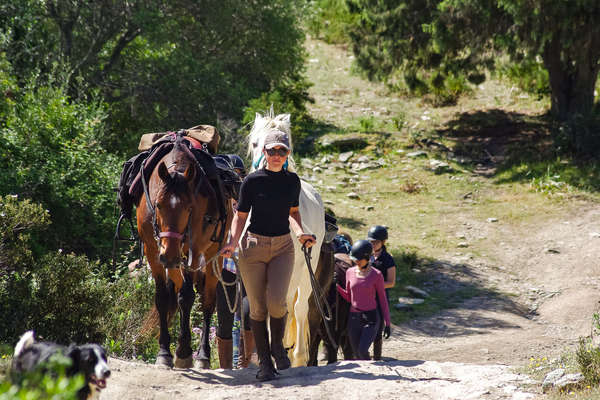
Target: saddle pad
(207, 134)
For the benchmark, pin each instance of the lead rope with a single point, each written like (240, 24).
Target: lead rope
(318, 294)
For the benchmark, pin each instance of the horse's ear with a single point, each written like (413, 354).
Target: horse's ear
(190, 173)
(163, 172)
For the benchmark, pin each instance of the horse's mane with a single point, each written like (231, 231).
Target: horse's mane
(262, 125)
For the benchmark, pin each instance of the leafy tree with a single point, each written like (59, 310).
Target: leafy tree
(448, 37)
(159, 64)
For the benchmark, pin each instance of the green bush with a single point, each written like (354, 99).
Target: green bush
(529, 75)
(588, 355)
(131, 297)
(328, 20)
(49, 153)
(290, 97)
(46, 383)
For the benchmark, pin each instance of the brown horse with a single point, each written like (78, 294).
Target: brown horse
(178, 219)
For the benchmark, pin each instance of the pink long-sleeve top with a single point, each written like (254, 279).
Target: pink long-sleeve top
(360, 292)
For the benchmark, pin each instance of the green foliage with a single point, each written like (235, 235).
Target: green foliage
(18, 220)
(62, 296)
(50, 153)
(445, 39)
(588, 356)
(328, 20)
(159, 65)
(131, 298)
(529, 75)
(290, 97)
(49, 382)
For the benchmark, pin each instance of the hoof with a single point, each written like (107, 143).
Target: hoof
(201, 364)
(187, 362)
(164, 360)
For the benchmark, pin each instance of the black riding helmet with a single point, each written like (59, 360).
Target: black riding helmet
(236, 161)
(361, 250)
(377, 232)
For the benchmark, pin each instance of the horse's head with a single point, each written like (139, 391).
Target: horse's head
(262, 125)
(173, 208)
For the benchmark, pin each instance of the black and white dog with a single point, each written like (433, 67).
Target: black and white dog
(87, 359)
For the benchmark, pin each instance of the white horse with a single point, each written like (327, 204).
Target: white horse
(312, 213)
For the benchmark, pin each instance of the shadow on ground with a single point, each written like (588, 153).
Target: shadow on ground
(304, 376)
(459, 301)
(513, 147)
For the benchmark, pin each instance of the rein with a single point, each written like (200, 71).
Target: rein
(318, 295)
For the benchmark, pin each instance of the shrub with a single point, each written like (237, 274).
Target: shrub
(290, 97)
(588, 355)
(49, 153)
(131, 297)
(47, 384)
(328, 20)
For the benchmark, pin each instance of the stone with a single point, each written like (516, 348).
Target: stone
(410, 300)
(551, 250)
(415, 291)
(306, 163)
(492, 219)
(344, 157)
(439, 167)
(369, 208)
(317, 169)
(552, 378)
(595, 235)
(463, 244)
(363, 159)
(353, 195)
(326, 159)
(415, 154)
(569, 380)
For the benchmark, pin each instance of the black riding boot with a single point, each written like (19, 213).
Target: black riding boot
(279, 353)
(377, 348)
(266, 370)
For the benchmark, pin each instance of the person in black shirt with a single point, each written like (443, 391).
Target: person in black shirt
(384, 262)
(267, 250)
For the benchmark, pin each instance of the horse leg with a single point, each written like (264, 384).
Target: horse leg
(164, 299)
(185, 299)
(300, 349)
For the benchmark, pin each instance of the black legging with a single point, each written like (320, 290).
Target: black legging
(361, 333)
(224, 316)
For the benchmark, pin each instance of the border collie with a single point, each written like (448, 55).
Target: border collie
(87, 359)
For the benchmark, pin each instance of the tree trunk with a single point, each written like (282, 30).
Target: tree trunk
(573, 75)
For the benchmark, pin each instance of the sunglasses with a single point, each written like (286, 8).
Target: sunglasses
(281, 152)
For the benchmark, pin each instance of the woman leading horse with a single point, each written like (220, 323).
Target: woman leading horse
(267, 250)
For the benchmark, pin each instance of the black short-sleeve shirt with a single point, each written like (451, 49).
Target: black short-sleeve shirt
(269, 195)
(383, 263)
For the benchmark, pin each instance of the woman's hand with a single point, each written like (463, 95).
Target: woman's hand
(227, 250)
(307, 240)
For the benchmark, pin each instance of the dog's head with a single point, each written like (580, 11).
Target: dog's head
(90, 360)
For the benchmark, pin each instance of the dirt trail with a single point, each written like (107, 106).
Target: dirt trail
(546, 271)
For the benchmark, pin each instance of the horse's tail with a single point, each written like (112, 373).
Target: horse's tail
(152, 320)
